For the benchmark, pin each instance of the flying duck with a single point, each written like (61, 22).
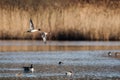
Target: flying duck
(44, 36)
(32, 27)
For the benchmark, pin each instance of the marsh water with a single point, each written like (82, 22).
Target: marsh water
(83, 58)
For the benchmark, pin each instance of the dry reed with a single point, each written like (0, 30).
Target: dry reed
(65, 19)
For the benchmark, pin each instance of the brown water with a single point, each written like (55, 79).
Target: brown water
(84, 58)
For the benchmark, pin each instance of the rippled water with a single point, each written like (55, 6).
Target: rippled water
(83, 62)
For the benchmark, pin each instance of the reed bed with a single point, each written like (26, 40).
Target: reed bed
(65, 19)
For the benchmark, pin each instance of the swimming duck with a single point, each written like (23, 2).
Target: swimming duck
(60, 63)
(117, 54)
(28, 69)
(109, 53)
(69, 74)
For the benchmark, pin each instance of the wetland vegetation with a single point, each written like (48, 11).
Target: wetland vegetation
(65, 19)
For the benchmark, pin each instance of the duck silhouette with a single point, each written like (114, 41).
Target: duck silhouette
(32, 29)
(28, 69)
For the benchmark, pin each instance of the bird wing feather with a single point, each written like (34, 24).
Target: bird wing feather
(31, 25)
(43, 35)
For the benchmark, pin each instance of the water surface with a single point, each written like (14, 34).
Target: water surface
(84, 58)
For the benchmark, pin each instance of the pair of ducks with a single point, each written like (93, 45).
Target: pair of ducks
(32, 30)
(69, 73)
(116, 54)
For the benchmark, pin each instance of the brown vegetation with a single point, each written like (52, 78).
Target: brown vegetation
(65, 19)
(56, 48)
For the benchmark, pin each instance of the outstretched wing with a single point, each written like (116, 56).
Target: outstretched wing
(43, 35)
(44, 39)
(31, 25)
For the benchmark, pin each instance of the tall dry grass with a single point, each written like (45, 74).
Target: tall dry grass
(65, 19)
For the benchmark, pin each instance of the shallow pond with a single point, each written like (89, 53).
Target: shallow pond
(83, 58)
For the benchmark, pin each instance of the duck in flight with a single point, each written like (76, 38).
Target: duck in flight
(43, 34)
(32, 27)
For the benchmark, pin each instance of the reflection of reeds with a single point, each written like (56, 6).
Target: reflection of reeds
(55, 48)
(67, 20)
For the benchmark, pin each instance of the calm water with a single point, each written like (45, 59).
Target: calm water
(87, 59)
